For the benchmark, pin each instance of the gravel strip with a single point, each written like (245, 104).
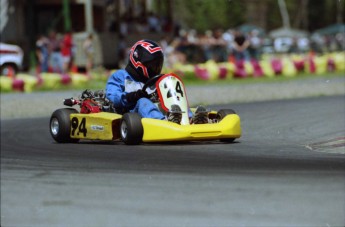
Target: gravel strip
(42, 104)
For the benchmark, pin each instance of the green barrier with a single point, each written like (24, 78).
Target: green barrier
(6, 84)
(50, 81)
(289, 68)
(79, 80)
(339, 61)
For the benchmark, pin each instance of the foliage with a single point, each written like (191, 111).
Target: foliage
(203, 15)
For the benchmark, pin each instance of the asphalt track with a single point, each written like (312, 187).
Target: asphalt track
(288, 169)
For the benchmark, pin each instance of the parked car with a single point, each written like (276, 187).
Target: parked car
(11, 59)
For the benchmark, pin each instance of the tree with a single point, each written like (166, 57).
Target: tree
(203, 15)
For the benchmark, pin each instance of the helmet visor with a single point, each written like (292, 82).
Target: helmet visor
(154, 67)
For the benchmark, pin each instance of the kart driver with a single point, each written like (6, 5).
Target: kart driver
(124, 87)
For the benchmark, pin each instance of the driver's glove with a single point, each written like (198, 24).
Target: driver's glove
(136, 95)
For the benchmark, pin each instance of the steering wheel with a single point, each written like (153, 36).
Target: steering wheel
(151, 81)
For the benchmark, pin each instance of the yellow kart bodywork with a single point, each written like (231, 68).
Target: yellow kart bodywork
(156, 130)
(95, 126)
(106, 126)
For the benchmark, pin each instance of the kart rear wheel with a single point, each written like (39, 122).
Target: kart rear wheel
(220, 115)
(60, 125)
(131, 129)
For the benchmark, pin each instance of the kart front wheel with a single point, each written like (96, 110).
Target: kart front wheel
(220, 115)
(60, 125)
(131, 129)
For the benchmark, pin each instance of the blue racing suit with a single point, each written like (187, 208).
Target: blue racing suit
(121, 83)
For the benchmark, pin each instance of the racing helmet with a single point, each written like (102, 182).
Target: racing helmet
(145, 60)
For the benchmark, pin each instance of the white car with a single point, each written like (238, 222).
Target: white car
(11, 59)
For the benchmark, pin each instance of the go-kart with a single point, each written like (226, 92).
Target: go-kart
(97, 119)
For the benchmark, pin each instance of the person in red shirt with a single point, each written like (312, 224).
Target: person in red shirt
(66, 51)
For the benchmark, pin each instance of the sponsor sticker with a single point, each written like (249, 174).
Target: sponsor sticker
(97, 127)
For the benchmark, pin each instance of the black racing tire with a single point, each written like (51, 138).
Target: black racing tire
(131, 129)
(60, 125)
(6, 68)
(223, 112)
(220, 115)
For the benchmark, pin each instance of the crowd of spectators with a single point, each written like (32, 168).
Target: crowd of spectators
(234, 45)
(183, 45)
(142, 24)
(54, 53)
(189, 46)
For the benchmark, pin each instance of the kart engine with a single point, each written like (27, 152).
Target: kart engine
(91, 102)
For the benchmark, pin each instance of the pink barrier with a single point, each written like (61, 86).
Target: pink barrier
(240, 71)
(277, 66)
(222, 72)
(257, 69)
(66, 79)
(18, 85)
(202, 73)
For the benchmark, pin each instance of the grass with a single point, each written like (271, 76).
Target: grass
(251, 80)
(100, 84)
(191, 81)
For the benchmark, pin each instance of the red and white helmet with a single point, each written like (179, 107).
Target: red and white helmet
(146, 59)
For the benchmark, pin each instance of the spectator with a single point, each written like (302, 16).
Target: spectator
(317, 43)
(340, 40)
(124, 26)
(181, 45)
(122, 51)
(66, 51)
(240, 48)
(255, 44)
(172, 53)
(219, 46)
(89, 52)
(55, 57)
(293, 47)
(166, 48)
(153, 23)
(167, 24)
(141, 25)
(42, 53)
(229, 39)
(206, 41)
(283, 44)
(303, 44)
